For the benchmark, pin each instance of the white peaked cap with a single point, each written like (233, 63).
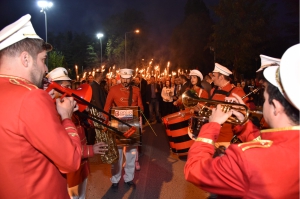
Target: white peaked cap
(126, 72)
(267, 61)
(58, 74)
(197, 73)
(17, 31)
(221, 69)
(287, 76)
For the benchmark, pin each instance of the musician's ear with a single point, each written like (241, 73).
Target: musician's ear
(25, 57)
(278, 108)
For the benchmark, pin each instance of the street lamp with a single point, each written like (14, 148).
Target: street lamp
(136, 31)
(99, 35)
(45, 5)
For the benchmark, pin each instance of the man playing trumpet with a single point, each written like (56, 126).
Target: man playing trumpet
(266, 168)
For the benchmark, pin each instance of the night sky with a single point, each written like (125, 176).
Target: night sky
(88, 15)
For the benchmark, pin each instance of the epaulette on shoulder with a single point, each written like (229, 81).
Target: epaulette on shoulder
(25, 84)
(255, 144)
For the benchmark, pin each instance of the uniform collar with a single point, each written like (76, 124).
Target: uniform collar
(289, 128)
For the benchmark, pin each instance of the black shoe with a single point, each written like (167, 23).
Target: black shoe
(114, 187)
(130, 184)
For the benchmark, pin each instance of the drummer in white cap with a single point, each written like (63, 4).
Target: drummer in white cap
(124, 94)
(30, 125)
(261, 168)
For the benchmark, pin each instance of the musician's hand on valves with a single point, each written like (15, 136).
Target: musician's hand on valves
(100, 148)
(65, 107)
(235, 99)
(218, 115)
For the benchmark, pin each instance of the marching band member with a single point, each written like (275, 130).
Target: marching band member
(33, 160)
(77, 181)
(195, 84)
(223, 88)
(255, 169)
(124, 94)
(196, 79)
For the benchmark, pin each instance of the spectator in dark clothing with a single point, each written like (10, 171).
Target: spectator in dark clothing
(98, 99)
(185, 85)
(99, 94)
(153, 95)
(143, 85)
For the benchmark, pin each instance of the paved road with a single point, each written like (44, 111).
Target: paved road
(161, 175)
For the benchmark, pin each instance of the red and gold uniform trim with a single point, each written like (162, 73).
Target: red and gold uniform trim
(206, 140)
(255, 144)
(20, 82)
(280, 129)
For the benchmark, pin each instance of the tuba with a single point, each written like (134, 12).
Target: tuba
(191, 99)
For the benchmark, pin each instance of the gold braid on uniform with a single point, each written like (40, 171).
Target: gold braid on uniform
(206, 140)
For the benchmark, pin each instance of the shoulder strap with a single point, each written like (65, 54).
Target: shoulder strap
(130, 95)
(229, 92)
(222, 92)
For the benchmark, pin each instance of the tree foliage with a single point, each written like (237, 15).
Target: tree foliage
(241, 33)
(116, 26)
(77, 49)
(189, 42)
(55, 59)
(91, 59)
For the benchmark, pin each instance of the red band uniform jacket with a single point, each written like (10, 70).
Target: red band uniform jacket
(33, 158)
(266, 168)
(226, 130)
(119, 96)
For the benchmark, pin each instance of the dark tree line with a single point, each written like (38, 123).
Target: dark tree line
(241, 30)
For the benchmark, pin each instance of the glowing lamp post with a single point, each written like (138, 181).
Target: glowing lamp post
(99, 36)
(45, 5)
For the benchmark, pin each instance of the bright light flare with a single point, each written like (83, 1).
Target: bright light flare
(45, 4)
(99, 35)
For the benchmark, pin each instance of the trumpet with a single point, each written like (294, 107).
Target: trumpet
(191, 99)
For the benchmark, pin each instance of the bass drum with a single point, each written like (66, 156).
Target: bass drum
(176, 125)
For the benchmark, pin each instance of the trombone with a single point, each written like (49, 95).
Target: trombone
(83, 96)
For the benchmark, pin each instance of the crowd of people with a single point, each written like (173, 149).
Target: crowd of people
(45, 147)
(164, 100)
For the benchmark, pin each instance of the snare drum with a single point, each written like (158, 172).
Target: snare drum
(177, 130)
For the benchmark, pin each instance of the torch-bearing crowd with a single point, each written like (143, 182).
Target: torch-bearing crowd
(45, 144)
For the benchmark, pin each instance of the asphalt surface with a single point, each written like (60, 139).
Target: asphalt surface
(161, 175)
